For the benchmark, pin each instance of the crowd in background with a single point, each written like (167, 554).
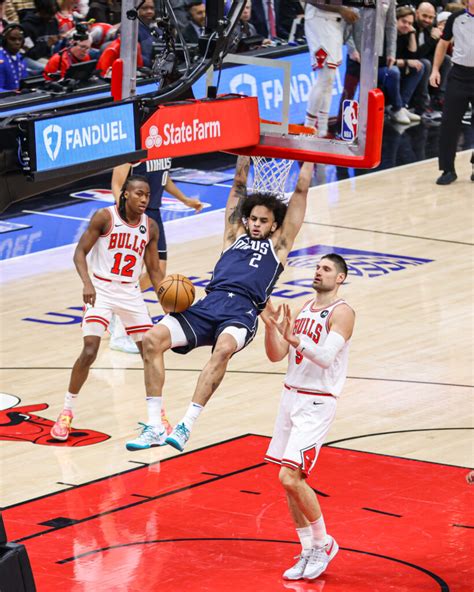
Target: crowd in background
(42, 37)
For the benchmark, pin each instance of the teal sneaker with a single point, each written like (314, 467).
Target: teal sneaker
(150, 436)
(178, 437)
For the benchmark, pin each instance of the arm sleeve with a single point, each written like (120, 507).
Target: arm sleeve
(323, 355)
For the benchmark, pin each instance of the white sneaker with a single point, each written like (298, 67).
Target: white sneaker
(124, 344)
(296, 572)
(411, 116)
(319, 559)
(149, 437)
(400, 116)
(178, 437)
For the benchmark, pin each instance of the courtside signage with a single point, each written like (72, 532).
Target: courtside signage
(201, 126)
(84, 137)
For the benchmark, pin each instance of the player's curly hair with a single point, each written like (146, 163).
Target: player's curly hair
(267, 200)
(122, 200)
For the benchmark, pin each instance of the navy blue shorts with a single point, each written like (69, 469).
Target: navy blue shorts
(204, 321)
(162, 248)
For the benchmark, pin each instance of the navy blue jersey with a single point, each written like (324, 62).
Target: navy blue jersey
(156, 172)
(248, 267)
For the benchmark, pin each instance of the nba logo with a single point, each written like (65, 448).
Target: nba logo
(350, 117)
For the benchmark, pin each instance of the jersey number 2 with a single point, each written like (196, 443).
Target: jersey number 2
(127, 269)
(255, 259)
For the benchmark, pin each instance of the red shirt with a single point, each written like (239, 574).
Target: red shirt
(60, 62)
(112, 53)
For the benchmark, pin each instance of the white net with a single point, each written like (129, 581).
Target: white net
(270, 175)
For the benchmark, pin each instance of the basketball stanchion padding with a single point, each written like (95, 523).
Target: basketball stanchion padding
(15, 568)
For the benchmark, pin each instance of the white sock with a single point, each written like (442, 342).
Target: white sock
(69, 401)
(193, 412)
(154, 410)
(305, 534)
(318, 530)
(310, 120)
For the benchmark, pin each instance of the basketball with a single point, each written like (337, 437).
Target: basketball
(176, 293)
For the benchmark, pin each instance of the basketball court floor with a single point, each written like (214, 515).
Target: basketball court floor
(391, 477)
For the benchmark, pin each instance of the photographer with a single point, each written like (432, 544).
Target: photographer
(76, 52)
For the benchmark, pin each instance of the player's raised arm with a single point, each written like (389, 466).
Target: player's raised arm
(99, 224)
(296, 212)
(238, 193)
(119, 176)
(151, 258)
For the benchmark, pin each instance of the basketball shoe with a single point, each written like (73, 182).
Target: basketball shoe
(178, 437)
(150, 436)
(296, 572)
(62, 426)
(319, 559)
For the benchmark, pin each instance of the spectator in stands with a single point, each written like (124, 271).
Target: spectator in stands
(245, 30)
(76, 52)
(41, 35)
(12, 66)
(197, 24)
(411, 69)
(264, 18)
(148, 33)
(388, 73)
(3, 20)
(287, 12)
(110, 54)
(16, 10)
(65, 16)
(105, 11)
(427, 36)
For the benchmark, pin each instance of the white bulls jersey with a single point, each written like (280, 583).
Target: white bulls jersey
(118, 255)
(312, 327)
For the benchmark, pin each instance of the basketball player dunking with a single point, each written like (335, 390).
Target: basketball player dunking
(120, 239)
(317, 345)
(259, 233)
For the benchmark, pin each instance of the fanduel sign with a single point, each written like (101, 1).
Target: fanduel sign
(83, 137)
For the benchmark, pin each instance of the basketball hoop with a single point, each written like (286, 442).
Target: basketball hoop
(270, 174)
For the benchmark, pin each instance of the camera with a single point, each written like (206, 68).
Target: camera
(81, 33)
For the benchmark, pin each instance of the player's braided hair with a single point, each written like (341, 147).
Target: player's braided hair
(267, 200)
(122, 200)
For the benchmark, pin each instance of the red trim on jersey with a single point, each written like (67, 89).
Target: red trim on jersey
(338, 301)
(306, 392)
(272, 459)
(142, 330)
(290, 463)
(111, 224)
(125, 222)
(110, 281)
(138, 326)
(93, 320)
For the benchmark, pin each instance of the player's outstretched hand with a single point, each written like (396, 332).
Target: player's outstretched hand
(270, 314)
(288, 326)
(195, 204)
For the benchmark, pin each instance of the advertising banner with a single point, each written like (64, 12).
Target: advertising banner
(201, 126)
(83, 137)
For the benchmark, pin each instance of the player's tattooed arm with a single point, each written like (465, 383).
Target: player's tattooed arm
(237, 195)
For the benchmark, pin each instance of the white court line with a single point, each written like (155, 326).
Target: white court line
(54, 215)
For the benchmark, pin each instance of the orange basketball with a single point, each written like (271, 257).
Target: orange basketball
(176, 293)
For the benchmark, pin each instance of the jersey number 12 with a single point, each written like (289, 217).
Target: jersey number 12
(127, 269)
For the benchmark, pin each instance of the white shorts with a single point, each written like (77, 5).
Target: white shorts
(123, 299)
(301, 426)
(325, 38)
